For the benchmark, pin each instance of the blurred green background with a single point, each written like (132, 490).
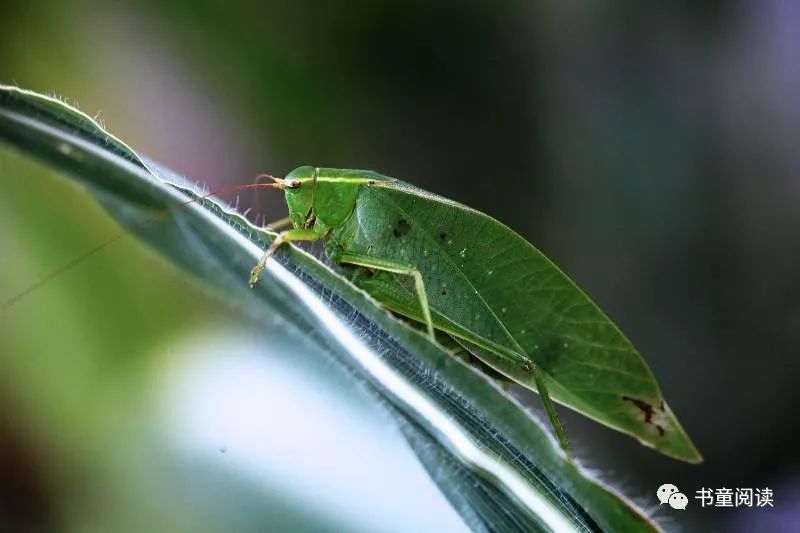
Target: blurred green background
(649, 150)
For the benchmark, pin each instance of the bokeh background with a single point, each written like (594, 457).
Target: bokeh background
(651, 151)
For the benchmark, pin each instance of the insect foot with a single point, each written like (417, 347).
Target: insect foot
(254, 274)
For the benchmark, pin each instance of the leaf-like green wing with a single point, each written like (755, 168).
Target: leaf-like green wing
(490, 287)
(497, 465)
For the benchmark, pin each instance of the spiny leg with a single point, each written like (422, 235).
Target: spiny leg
(550, 409)
(396, 268)
(285, 236)
(483, 352)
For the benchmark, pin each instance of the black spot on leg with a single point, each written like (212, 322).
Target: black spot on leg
(401, 228)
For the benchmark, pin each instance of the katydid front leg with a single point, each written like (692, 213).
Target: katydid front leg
(396, 268)
(285, 236)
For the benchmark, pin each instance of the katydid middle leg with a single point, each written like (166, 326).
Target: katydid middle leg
(396, 268)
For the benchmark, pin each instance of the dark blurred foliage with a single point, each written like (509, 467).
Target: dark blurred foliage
(650, 150)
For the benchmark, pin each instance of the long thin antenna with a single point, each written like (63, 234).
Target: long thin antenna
(277, 184)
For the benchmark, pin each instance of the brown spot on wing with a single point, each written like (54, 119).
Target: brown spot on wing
(648, 411)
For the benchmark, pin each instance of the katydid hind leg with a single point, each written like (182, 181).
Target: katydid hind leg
(528, 369)
(550, 409)
(472, 359)
(396, 268)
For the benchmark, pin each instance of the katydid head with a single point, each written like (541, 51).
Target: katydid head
(299, 190)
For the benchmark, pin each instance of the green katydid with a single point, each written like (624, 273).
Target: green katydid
(459, 272)
(478, 285)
